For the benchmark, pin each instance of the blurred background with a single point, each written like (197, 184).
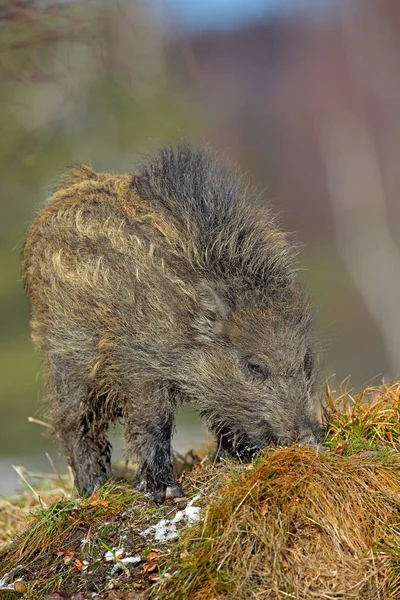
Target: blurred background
(305, 96)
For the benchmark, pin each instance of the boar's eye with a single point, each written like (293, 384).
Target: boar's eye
(308, 364)
(256, 369)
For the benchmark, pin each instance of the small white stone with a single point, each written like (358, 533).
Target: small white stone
(131, 559)
(192, 513)
(113, 554)
(165, 530)
(85, 565)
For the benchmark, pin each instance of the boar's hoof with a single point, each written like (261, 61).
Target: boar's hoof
(174, 491)
(171, 491)
(160, 495)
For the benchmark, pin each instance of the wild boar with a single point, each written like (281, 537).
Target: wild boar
(172, 284)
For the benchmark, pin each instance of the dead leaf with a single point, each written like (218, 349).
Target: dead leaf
(20, 587)
(78, 565)
(340, 449)
(95, 501)
(151, 560)
(68, 556)
(149, 567)
(154, 555)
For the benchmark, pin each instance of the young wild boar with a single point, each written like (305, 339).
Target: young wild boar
(169, 285)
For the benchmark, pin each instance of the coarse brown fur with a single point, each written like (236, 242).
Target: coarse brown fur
(172, 284)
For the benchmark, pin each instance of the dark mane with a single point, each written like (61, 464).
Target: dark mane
(232, 233)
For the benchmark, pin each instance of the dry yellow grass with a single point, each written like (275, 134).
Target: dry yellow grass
(14, 512)
(298, 523)
(305, 524)
(371, 418)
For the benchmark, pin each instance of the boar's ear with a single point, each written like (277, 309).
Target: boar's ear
(214, 309)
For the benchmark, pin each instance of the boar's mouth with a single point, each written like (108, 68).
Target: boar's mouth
(237, 443)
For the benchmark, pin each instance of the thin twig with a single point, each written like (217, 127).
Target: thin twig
(56, 471)
(33, 420)
(19, 472)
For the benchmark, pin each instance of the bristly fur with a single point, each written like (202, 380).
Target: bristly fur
(171, 284)
(232, 233)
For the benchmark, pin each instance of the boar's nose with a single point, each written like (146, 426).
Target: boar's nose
(309, 439)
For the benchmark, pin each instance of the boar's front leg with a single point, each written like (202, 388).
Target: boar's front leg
(148, 430)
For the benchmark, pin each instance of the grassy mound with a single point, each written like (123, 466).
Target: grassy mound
(297, 523)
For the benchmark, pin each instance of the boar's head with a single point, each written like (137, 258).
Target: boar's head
(253, 370)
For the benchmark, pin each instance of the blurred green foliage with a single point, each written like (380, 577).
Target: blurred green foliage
(65, 100)
(97, 82)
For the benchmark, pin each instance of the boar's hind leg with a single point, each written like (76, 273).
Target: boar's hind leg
(148, 435)
(88, 451)
(81, 425)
